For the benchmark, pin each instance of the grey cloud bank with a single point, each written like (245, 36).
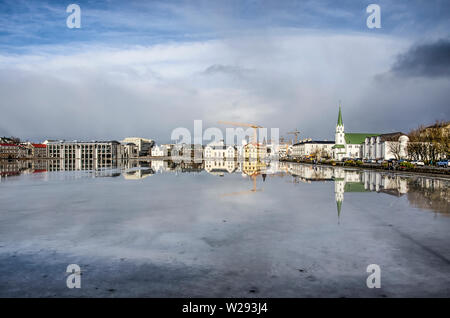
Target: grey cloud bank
(296, 82)
(429, 60)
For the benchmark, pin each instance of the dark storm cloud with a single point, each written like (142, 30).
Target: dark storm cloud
(425, 60)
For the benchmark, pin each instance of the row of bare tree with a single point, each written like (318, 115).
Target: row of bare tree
(429, 143)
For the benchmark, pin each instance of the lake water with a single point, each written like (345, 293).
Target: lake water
(221, 229)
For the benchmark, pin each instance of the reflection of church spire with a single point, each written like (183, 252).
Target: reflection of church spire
(339, 185)
(339, 207)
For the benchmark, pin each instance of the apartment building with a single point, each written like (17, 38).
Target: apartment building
(93, 154)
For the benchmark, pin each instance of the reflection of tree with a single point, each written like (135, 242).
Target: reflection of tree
(429, 194)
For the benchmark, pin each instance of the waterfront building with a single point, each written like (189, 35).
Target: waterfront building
(92, 154)
(253, 151)
(12, 151)
(218, 150)
(157, 151)
(144, 145)
(38, 150)
(386, 146)
(163, 150)
(317, 148)
(130, 150)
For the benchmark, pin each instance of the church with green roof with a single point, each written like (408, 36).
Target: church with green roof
(348, 145)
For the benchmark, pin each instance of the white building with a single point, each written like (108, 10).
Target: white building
(322, 149)
(88, 154)
(386, 146)
(219, 151)
(157, 151)
(163, 150)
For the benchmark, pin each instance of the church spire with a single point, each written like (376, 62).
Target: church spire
(340, 122)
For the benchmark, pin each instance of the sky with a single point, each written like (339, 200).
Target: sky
(144, 68)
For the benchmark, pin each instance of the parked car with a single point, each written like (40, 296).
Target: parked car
(442, 163)
(380, 161)
(418, 163)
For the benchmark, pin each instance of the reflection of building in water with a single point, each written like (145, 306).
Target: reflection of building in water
(347, 180)
(429, 194)
(251, 167)
(138, 173)
(363, 181)
(309, 173)
(159, 166)
(17, 167)
(220, 167)
(79, 164)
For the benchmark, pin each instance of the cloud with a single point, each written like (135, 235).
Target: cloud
(227, 70)
(425, 60)
(286, 79)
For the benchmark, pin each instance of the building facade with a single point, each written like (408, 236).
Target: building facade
(317, 148)
(38, 150)
(386, 146)
(101, 151)
(219, 151)
(11, 151)
(144, 145)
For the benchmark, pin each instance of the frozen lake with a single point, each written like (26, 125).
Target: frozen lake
(159, 229)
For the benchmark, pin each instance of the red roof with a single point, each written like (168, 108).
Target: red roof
(39, 146)
(9, 145)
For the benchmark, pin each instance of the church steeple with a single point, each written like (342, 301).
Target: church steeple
(339, 137)
(340, 122)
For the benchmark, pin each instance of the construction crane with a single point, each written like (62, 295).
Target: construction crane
(296, 133)
(255, 169)
(253, 190)
(255, 128)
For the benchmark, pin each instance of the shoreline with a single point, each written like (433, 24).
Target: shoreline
(408, 171)
(438, 172)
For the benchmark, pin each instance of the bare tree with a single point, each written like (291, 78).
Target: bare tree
(395, 148)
